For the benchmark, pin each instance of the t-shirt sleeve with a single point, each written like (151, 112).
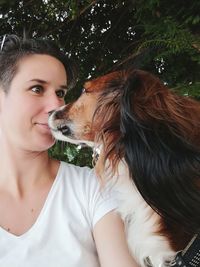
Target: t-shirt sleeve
(100, 200)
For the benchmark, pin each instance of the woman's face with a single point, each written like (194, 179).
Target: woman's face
(37, 88)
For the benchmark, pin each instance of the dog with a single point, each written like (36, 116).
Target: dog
(149, 143)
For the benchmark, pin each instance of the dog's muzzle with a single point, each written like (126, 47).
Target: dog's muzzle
(58, 123)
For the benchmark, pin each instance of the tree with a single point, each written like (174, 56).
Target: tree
(159, 36)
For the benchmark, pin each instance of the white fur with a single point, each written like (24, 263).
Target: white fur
(59, 136)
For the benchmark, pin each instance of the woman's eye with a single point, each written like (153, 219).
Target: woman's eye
(37, 89)
(61, 93)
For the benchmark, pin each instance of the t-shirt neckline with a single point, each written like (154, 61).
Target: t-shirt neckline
(41, 214)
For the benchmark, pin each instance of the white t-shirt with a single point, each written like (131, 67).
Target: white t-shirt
(62, 235)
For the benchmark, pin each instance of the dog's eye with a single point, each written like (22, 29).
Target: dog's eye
(84, 91)
(61, 93)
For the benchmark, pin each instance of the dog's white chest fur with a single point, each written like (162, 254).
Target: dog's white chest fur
(141, 222)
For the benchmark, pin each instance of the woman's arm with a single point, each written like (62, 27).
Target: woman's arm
(111, 242)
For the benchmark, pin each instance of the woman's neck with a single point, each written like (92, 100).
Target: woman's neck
(20, 169)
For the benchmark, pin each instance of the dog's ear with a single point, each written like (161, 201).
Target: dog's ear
(163, 164)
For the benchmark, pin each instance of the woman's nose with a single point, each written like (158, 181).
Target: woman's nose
(53, 102)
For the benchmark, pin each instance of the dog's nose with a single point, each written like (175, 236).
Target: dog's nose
(65, 130)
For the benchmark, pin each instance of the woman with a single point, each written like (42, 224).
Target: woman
(51, 213)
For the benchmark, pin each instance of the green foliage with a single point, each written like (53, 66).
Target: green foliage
(159, 36)
(71, 153)
(193, 89)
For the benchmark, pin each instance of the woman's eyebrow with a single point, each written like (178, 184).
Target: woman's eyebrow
(39, 81)
(45, 82)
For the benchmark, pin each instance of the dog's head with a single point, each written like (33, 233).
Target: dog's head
(112, 106)
(81, 121)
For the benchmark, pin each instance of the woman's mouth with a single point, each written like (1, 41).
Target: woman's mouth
(44, 127)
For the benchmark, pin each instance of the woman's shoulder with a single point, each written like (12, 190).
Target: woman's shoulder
(75, 174)
(81, 183)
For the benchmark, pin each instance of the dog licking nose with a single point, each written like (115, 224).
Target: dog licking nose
(58, 123)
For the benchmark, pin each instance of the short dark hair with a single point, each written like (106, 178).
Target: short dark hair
(14, 48)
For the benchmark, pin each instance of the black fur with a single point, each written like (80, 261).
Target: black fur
(164, 166)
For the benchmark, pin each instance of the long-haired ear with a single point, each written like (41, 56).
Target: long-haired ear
(130, 126)
(164, 166)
